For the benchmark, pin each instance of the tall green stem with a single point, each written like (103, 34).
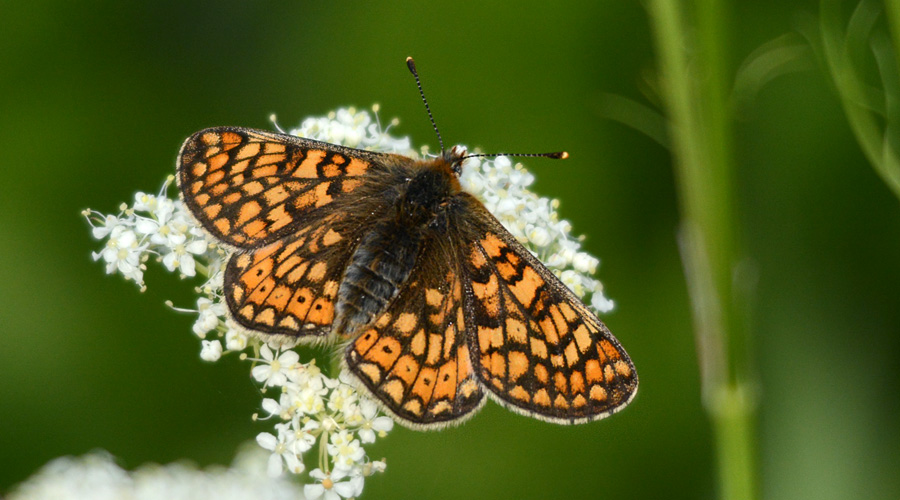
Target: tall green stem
(696, 94)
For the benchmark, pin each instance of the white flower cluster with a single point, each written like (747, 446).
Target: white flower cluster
(534, 221)
(311, 409)
(97, 477)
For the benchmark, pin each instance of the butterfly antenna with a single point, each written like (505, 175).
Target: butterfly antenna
(412, 69)
(559, 155)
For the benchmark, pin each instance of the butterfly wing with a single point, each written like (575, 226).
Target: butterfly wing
(292, 209)
(414, 358)
(535, 346)
(249, 188)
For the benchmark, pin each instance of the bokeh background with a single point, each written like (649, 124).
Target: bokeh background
(96, 97)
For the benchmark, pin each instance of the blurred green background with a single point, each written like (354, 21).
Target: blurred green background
(96, 98)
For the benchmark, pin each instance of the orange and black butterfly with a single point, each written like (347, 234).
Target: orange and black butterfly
(437, 304)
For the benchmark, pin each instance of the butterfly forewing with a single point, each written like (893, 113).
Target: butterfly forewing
(535, 346)
(249, 188)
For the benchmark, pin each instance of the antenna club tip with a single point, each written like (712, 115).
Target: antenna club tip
(411, 64)
(562, 155)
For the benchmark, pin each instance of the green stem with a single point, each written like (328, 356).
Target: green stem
(696, 96)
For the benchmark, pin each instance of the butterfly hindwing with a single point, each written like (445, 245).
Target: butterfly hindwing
(536, 347)
(249, 187)
(414, 358)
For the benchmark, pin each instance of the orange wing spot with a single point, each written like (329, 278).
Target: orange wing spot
(331, 237)
(437, 318)
(300, 302)
(492, 245)
(212, 211)
(307, 168)
(477, 258)
(274, 147)
(571, 353)
(331, 170)
(371, 372)
(202, 199)
(446, 381)
(540, 372)
(210, 138)
(576, 382)
(609, 349)
(385, 352)
(265, 171)
(507, 270)
(348, 185)
(434, 349)
(548, 328)
(196, 187)
(199, 169)
(275, 195)
(556, 360)
(593, 371)
(366, 341)
(542, 398)
(489, 337)
(330, 289)
(238, 238)
(561, 325)
(279, 297)
(230, 139)
(249, 150)
(623, 369)
(539, 348)
(288, 264)
(518, 365)
(289, 322)
(526, 288)
(246, 312)
(270, 159)
(578, 401)
(237, 293)
(394, 390)
(218, 189)
(516, 331)
(519, 393)
(248, 211)
(279, 218)
(582, 338)
(321, 312)
(417, 345)
(317, 272)
(262, 291)
(384, 320)
(568, 312)
(449, 339)
(338, 159)
(236, 170)
(560, 402)
(597, 393)
(266, 317)
(434, 297)
(405, 322)
(413, 406)
(216, 163)
(498, 365)
(609, 373)
(489, 296)
(232, 197)
(440, 407)
(356, 167)
(215, 177)
(562, 385)
(468, 388)
(297, 273)
(424, 386)
(255, 228)
(223, 226)
(406, 368)
(322, 196)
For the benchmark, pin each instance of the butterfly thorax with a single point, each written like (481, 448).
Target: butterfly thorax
(387, 253)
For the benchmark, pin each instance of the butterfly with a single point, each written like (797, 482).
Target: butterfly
(437, 306)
